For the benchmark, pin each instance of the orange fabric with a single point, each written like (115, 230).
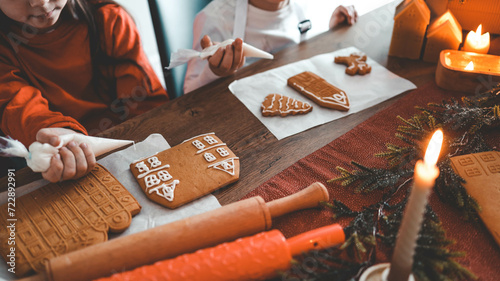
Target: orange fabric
(360, 144)
(46, 79)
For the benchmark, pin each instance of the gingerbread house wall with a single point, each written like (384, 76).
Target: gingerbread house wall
(410, 23)
(442, 37)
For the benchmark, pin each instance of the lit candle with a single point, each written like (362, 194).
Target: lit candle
(424, 177)
(470, 66)
(477, 42)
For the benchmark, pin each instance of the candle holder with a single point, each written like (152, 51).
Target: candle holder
(455, 72)
(379, 272)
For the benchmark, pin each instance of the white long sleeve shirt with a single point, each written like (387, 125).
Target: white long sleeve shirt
(267, 30)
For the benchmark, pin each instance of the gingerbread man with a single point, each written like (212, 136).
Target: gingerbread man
(356, 63)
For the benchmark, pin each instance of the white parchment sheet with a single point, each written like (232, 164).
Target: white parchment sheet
(151, 214)
(363, 91)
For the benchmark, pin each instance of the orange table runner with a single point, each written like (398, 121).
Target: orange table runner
(360, 144)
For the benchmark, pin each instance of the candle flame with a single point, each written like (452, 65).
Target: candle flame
(434, 148)
(470, 66)
(479, 29)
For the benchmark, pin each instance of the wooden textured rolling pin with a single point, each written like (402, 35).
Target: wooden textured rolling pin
(227, 223)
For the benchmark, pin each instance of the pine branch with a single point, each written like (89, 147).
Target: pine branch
(369, 179)
(489, 98)
(339, 209)
(398, 156)
(449, 187)
(433, 259)
(458, 116)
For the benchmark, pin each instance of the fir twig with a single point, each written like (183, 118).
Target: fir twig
(369, 179)
(380, 222)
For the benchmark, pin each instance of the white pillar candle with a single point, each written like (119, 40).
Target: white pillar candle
(424, 177)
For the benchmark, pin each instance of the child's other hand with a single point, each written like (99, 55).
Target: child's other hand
(226, 60)
(73, 161)
(343, 14)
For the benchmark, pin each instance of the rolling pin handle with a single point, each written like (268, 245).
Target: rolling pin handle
(309, 197)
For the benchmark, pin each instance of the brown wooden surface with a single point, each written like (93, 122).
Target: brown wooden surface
(213, 108)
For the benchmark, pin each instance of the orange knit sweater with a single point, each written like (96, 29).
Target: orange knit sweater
(46, 79)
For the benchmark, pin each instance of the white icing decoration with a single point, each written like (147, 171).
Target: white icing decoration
(141, 167)
(226, 166)
(337, 98)
(210, 140)
(154, 162)
(272, 102)
(324, 99)
(217, 145)
(292, 105)
(151, 180)
(209, 157)
(164, 175)
(198, 144)
(222, 151)
(198, 137)
(165, 190)
(153, 170)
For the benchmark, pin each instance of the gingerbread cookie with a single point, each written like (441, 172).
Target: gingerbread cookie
(320, 91)
(187, 171)
(276, 104)
(63, 217)
(356, 64)
(481, 171)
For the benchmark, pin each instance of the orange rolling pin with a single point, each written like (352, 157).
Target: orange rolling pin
(257, 257)
(227, 223)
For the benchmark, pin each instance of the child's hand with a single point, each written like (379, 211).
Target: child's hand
(343, 14)
(73, 161)
(226, 60)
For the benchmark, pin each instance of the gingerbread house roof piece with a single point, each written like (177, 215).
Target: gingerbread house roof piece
(418, 5)
(446, 23)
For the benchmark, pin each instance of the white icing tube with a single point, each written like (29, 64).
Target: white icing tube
(39, 154)
(182, 56)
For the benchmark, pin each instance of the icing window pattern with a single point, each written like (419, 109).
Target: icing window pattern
(494, 168)
(209, 157)
(164, 175)
(473, 172)
(154, 162)
(198, 144)
(142, 167)
(151, 180)
(210, 140)
(165, 190)
(222, 151)
(227, 165)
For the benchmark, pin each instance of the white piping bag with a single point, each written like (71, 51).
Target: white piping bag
(39, 154)
(182, 56)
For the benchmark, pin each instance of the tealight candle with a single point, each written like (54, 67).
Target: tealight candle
(424, 177)
(477, 42)
(467, 71)
(470, 66)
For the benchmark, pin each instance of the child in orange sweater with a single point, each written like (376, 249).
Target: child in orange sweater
(70, 66)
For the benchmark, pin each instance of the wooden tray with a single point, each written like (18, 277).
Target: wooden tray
(451, 73)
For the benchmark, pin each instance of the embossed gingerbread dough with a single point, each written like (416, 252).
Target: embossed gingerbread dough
(63, 217)
(356, 64)
(319, 90)
(481, 171)
(276, 104)
(187, 171)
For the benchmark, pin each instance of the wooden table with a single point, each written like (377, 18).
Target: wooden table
(213, 108)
